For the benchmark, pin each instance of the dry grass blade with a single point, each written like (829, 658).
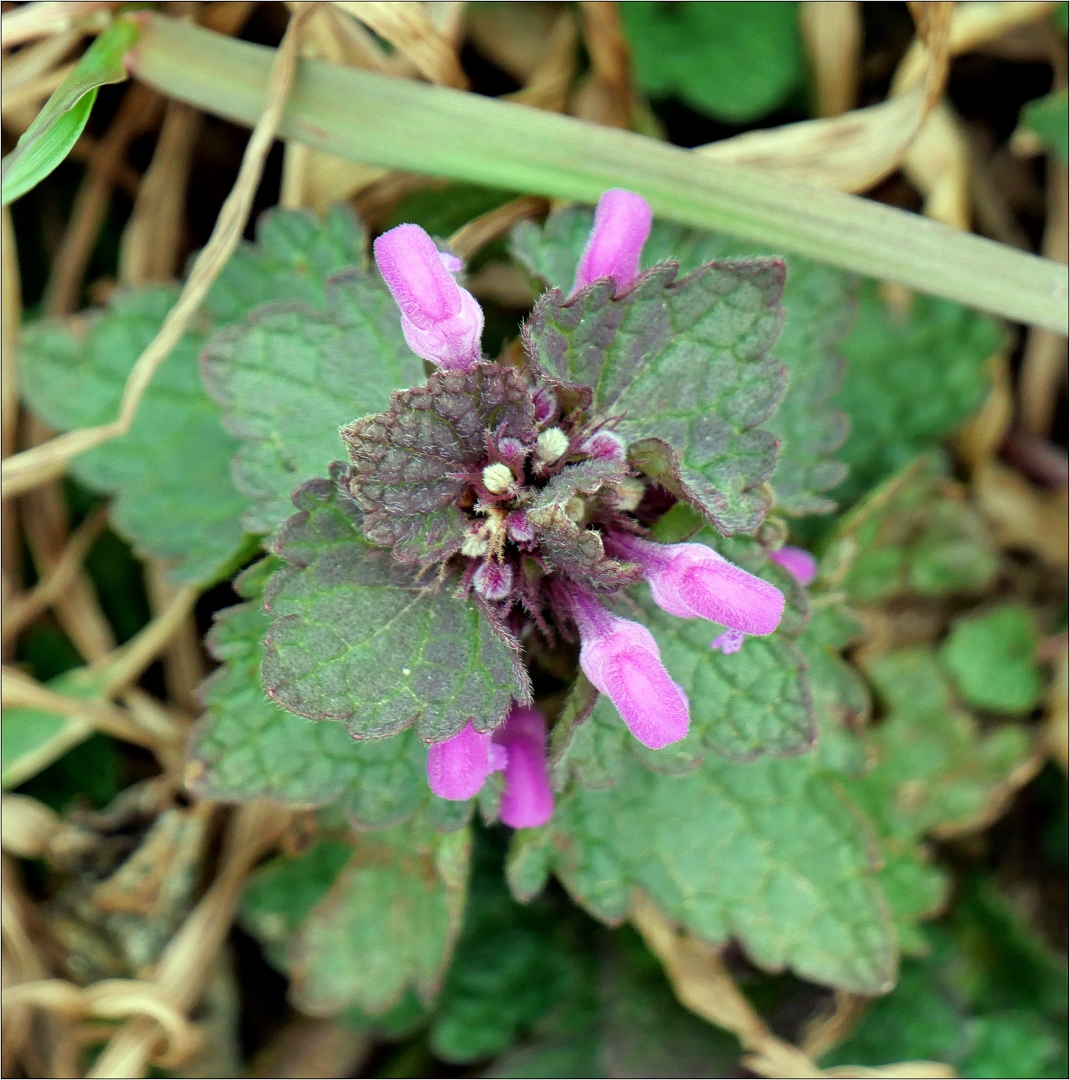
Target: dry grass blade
(1057, 714)
(413, 34)
(310, 1046)
(832, 33)
(34, 91)
(21, 690)
(1023, 517)
(37, 59)
(186, 963)
(39, 20)
(480, 231)
(830, 1029)
(33, 467)
(848, 153)
(550, 81)
(59, 579)
(702, 984)
(152, 239)
(32, 830)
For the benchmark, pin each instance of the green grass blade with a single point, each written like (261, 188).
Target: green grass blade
(414, 126)
(55, 129)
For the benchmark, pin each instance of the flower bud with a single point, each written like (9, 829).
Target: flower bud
(621, 226)
(550, 445)
(441, 321)
(605, 446)
(798, 562)
(458, 767)
(498, 478)
(493, 580)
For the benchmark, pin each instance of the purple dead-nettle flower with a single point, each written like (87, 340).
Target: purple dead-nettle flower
(441, 321)
(506, 482)
(458, 767)
(621, 226)
(623, 661)
(693, 582)
(798, 562)
(527, 801)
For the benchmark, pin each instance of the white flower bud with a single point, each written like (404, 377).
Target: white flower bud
(550, 445)
(629, 493)
(498, 478)
(474, 546)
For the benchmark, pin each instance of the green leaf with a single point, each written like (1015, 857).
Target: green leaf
(289, 377)
(932, 771)
(684, 365)
(1047, 117)
(987, 998)
(766, 852)
(621, 1019)
(991, 657)
(915, 535)
(817, 314)
(362, 918)
(513, 964)
(246, 747)
(55, 129)
(360, 638)
(735, 62)
(171, 475)
(437, 132)
(913, 377)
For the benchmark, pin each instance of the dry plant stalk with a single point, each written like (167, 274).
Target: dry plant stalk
(703, 985)
(183, 969)
(607, 95)
(407, 27)
(480, 231)
(56, 582)
(311, 1046)
(35, 60)
(32, 21)
(550, 81)
(832, 33)
(33, 467)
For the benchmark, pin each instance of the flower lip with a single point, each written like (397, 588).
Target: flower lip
(797, 561)
(458, 767)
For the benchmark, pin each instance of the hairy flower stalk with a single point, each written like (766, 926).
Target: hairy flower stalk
(509, 476)
(441, 321)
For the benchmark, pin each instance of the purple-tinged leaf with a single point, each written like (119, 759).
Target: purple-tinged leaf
(406, 460)
(358, 637)
(683, 364)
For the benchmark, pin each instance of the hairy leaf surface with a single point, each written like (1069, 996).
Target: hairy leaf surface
(360, 638)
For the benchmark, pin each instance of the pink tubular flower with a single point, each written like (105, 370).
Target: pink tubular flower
(798, 562)
(694, 582)
(621, 226)
(622, 660)
(458, 767)
(527, 800)
(441, 321)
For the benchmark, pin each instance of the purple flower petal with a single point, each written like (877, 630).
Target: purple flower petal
(798, 562)
(693, 582)
(457, 768)
(621, 226)
(731, 641)
(527, 800)
(622, 660)
(441, 321)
